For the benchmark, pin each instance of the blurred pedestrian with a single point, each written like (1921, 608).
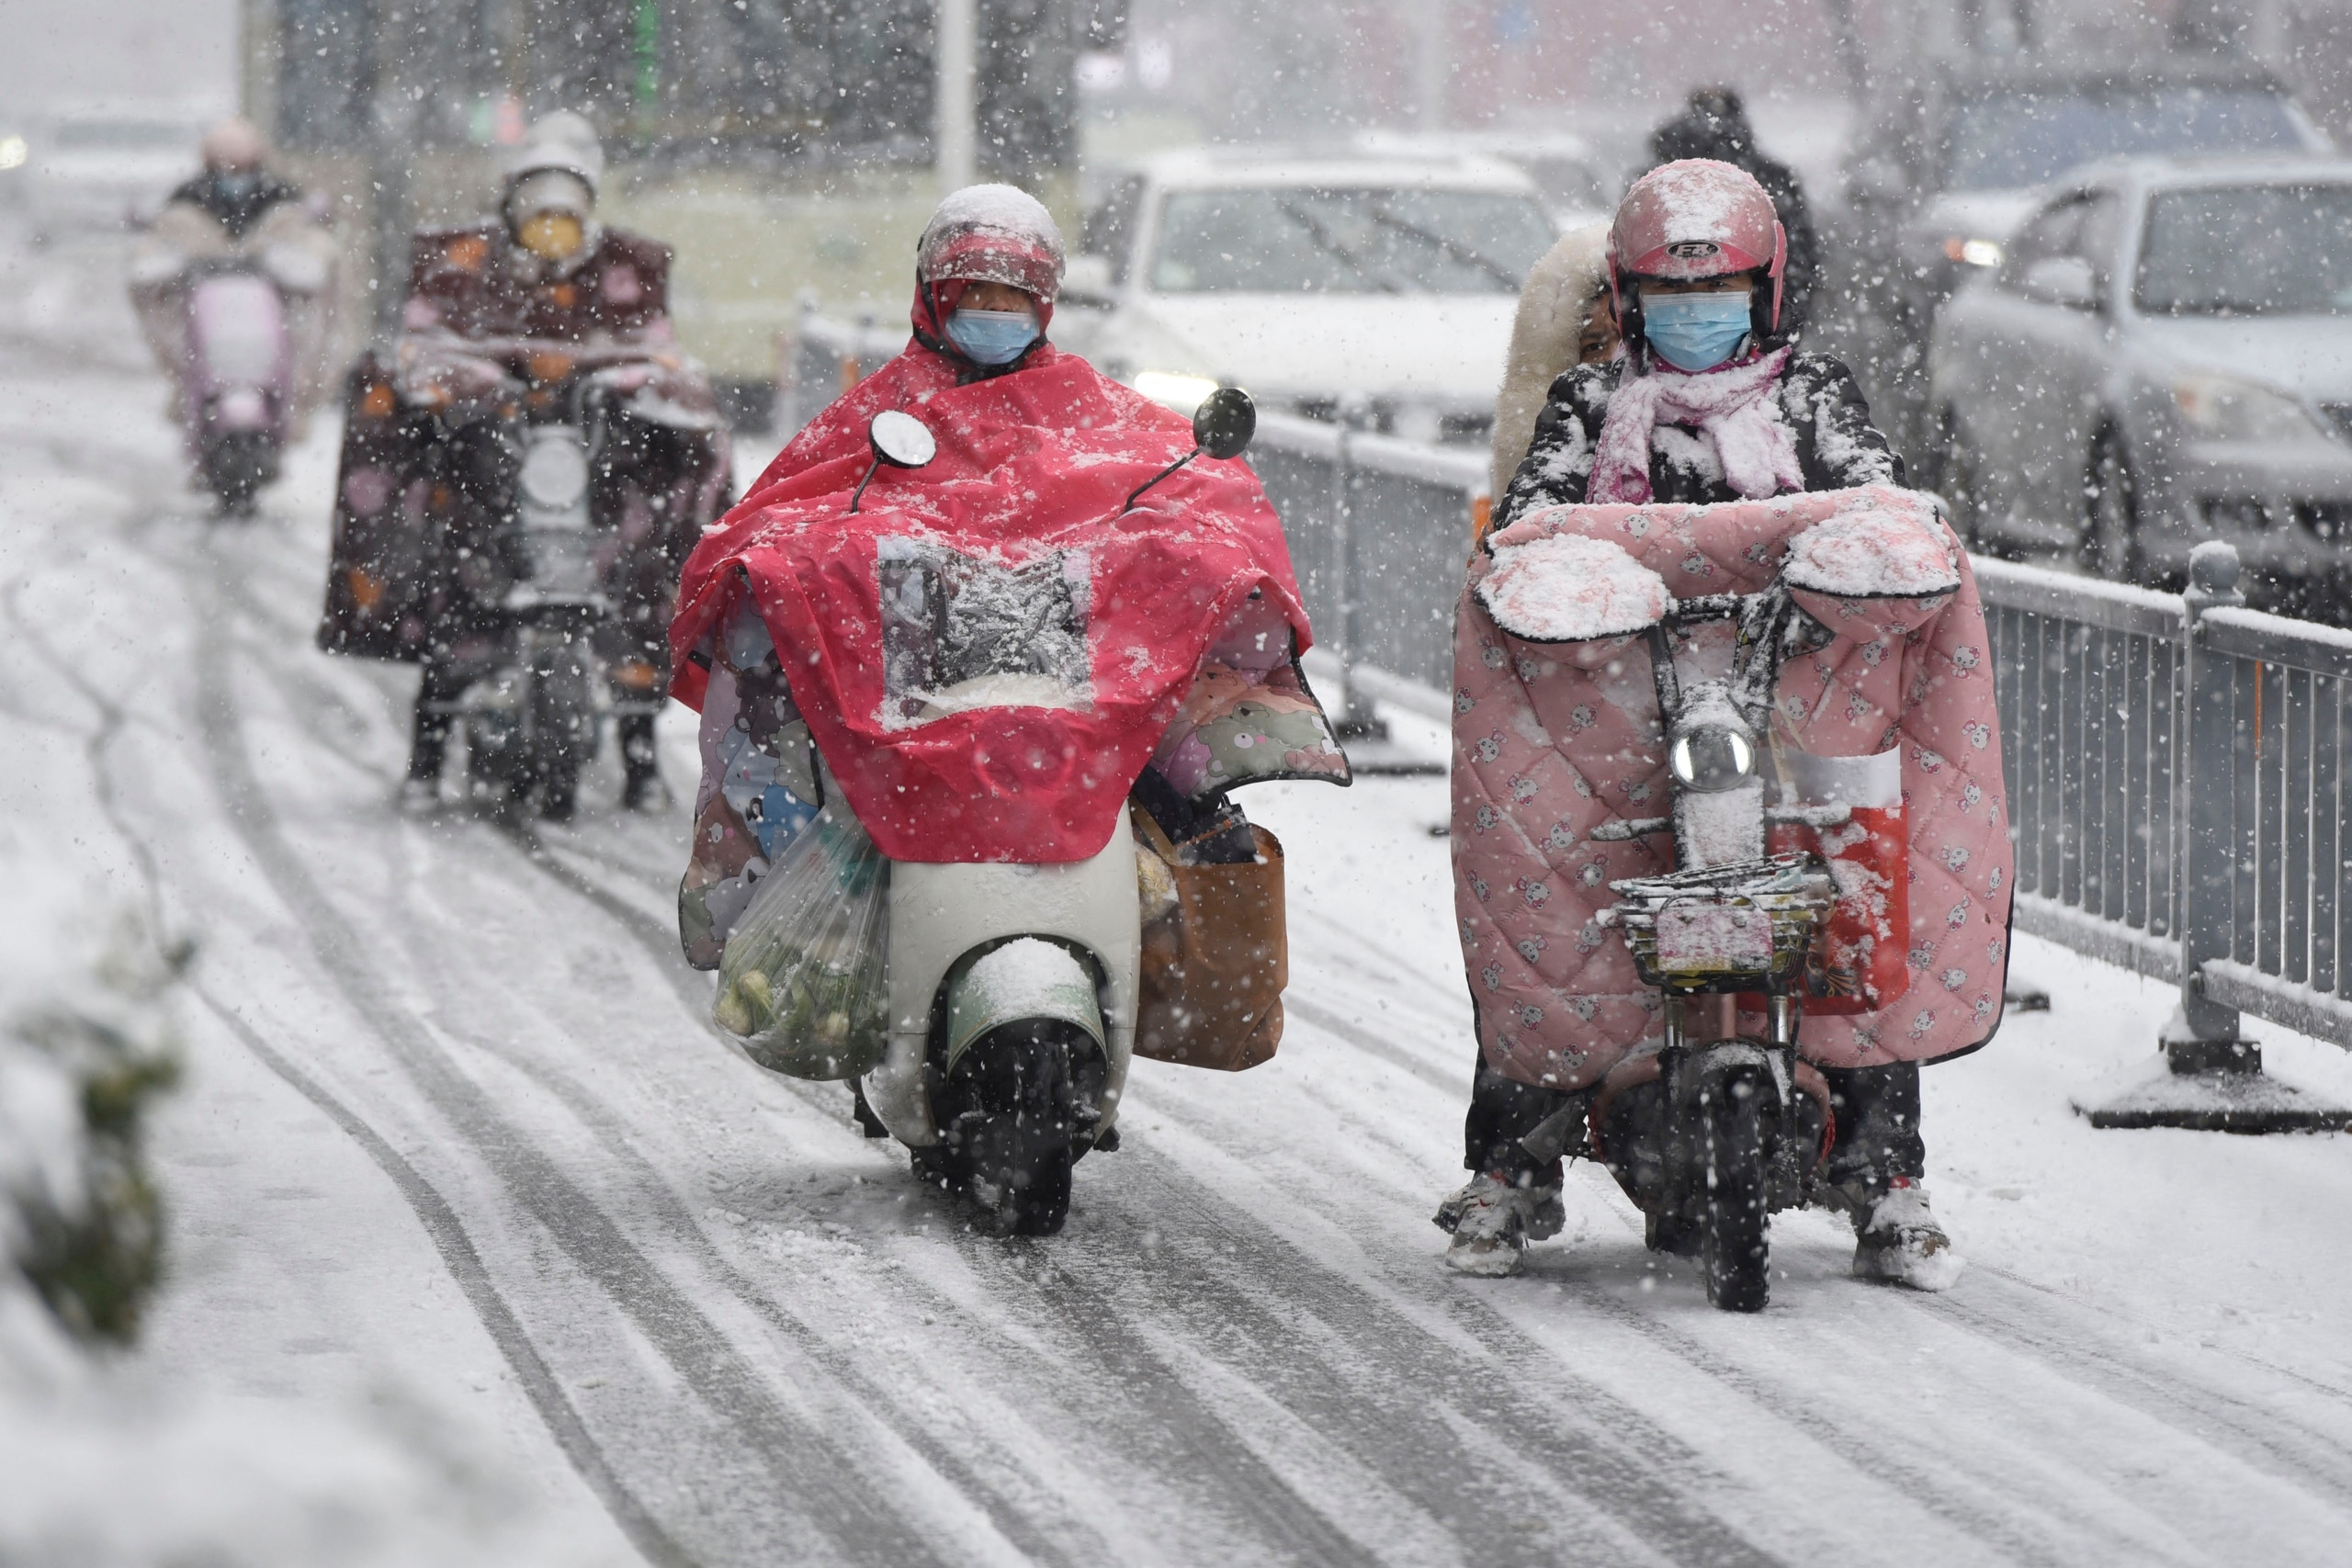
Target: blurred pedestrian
(1715, 124)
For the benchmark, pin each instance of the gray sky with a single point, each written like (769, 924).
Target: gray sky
(56, 52)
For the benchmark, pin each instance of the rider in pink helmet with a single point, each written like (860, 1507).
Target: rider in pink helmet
(1708, 401)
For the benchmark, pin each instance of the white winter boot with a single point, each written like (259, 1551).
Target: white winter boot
(1493, 1220)
(1898, 1241)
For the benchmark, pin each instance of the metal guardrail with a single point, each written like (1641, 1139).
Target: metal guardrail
(1379, 529)
(2179, 768)
(2179, 792)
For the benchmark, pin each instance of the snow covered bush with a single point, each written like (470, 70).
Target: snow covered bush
(79, 1218)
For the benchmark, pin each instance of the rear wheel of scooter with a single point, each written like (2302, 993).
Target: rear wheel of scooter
(236, 466)
(1732, 1247)
(1008, 1139)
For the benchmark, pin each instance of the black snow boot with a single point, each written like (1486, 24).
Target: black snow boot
(641, 785)
(428, 747)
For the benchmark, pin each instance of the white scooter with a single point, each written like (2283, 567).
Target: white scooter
(1013, 988)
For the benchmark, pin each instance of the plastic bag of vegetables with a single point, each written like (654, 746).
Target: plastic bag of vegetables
(803, 983)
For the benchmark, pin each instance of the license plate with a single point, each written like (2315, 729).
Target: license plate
(1696, 938)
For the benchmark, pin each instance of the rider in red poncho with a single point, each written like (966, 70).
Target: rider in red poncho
(1082, 653)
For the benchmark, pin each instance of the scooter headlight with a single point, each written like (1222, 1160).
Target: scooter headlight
(555, 475)
(1712, 757)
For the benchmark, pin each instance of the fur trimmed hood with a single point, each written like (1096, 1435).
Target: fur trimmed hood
(1544, 339)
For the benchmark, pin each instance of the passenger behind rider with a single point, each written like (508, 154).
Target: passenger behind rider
(1710, 401)
(238, 208)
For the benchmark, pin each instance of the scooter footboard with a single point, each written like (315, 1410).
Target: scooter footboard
(940, 913)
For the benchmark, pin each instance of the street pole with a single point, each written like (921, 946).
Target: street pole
(954, 141)
(1435, 65)
(390, 117)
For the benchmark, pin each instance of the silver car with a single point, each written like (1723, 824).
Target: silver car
(2162, 355)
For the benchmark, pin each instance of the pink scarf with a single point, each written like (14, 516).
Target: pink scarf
(1732, 405)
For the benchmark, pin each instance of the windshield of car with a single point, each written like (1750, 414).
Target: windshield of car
(2248, 250)
(1570, 184)
(2008, 140)
(1285, 241)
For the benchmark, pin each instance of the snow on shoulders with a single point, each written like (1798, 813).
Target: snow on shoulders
(1882, 544)
(1568, 588)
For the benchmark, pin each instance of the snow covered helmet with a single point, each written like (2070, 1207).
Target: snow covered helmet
(550, 202)
(1694, 219)
(992, 234)
(564, 141)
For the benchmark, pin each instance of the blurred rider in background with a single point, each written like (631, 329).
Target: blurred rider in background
(237, 207)
(444, 421)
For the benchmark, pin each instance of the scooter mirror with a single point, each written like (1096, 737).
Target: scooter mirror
(1224, 424)
(901, 440)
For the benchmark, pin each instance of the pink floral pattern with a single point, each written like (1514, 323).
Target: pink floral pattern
(1551, 741)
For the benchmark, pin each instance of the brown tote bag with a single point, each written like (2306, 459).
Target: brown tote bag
(1215, 964)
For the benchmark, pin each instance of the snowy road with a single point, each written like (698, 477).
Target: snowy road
(699, 1299)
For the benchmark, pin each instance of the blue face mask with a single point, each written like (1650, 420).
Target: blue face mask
(1695, 331)
(992, 337)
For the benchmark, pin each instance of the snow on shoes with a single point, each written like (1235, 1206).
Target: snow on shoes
(1899, 1242)
(1493, 1220)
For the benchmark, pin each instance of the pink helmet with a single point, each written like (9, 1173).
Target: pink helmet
(1696, 218)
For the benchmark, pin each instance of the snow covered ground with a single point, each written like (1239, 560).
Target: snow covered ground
(481, 1237)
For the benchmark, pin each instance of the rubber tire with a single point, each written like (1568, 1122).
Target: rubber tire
(1007, 1134)
(563, 727)
(1733, 1247)
(236, 466)
(2109, 547)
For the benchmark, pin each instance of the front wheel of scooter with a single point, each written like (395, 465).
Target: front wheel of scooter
(1733, 1249)
(236, 466)
(1007, 1138)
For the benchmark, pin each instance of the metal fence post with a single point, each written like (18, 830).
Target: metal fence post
(2203, 1035)
(2214, 1080)
(1359, 722)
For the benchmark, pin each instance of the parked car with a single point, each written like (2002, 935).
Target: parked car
(1950, 159)
(2163, 356)
(1380, 289)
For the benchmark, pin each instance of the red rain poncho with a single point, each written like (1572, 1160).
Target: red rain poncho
(1030, 462)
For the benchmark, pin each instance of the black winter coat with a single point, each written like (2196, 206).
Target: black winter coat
(1838, 447)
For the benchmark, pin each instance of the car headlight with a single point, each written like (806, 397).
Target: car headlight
(1972, 253)
(1183, 393)
(2222, 407)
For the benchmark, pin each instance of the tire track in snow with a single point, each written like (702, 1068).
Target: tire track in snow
(836, 1500)
(1622, 1453)
(432, 1211)
(1282, 1518)
(463, 1261)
